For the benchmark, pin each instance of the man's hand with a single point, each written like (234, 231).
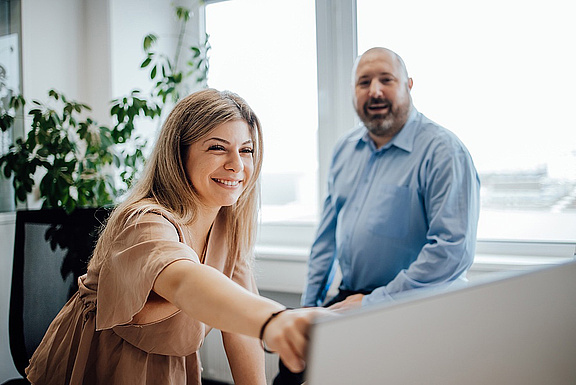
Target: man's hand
(351, 302)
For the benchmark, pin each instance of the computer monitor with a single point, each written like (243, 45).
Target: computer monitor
(518, 330)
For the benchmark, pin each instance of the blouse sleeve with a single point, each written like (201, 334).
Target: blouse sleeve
(137, 256)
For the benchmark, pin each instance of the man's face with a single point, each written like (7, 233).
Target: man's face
(382, 94)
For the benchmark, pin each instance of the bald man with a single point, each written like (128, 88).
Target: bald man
(403, 199)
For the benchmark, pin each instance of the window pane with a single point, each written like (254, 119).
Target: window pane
(266, 52)
(500, 74)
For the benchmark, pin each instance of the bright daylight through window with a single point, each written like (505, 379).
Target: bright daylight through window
(266, 52)
(500, 74)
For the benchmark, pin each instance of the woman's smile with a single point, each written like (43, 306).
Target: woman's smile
(228, 183)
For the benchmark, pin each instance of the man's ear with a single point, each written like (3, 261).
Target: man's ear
(410, 83)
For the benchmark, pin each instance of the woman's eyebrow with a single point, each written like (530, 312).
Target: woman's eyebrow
(216, 139)
(224, 140)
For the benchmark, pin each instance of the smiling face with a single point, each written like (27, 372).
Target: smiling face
(382, 94)
(220, 165)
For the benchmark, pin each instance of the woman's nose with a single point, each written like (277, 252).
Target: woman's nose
(234, 163)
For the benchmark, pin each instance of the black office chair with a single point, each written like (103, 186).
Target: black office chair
(51, 251)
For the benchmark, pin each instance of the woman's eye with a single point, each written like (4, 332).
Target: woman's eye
(216, 147)
(247, 150)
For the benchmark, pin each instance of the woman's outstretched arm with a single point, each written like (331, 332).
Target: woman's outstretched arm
(209, 296)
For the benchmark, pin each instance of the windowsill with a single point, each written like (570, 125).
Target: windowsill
(8, 217)
(284, 268)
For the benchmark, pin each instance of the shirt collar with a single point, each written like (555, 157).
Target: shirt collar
(403, 140)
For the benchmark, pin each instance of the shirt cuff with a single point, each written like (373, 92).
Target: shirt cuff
(379, 295)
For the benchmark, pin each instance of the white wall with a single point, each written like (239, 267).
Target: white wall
(95, 58)
(130, 21)
(51, 40)
(92, 50)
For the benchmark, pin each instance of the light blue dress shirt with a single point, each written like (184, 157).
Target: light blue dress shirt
(397, 218)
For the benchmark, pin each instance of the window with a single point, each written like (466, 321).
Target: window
(266, 52)
(500, 75)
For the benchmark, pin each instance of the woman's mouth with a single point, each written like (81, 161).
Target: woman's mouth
(230, 183)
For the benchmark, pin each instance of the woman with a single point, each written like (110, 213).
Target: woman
(173, 259)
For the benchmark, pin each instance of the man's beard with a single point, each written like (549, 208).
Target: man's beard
(387, 124)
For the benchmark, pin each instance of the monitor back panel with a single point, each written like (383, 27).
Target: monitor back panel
(516, 330)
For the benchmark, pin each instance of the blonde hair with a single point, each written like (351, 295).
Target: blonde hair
(164, 185)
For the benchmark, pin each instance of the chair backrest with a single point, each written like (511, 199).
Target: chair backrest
(51, 251)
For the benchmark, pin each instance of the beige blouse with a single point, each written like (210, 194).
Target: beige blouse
(95, 340)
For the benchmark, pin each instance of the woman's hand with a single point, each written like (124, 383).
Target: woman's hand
(287, 335)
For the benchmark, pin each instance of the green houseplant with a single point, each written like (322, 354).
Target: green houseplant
(76, 162)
